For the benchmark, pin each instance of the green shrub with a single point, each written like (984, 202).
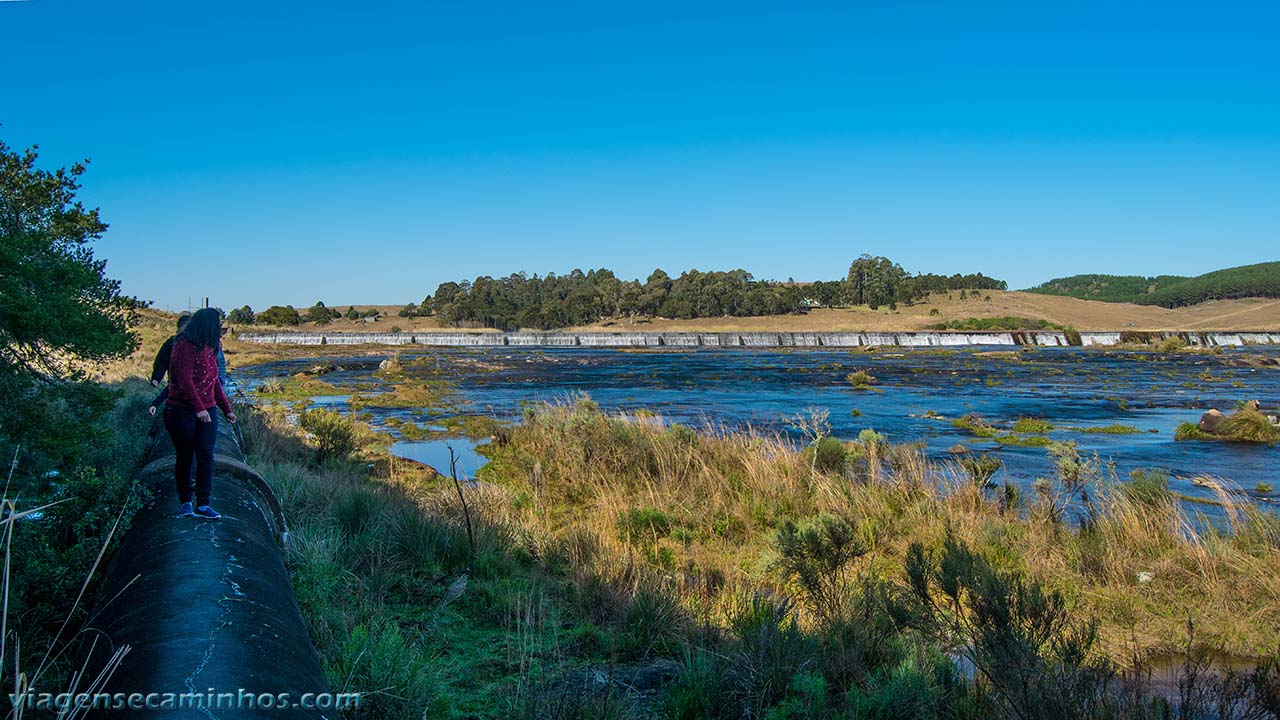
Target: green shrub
(769, 650)
(918, 688)
(277, 315)
(702, 692)
(1025, 642)
(653, 618)
(829, 454)
(806, 698)
(860, 379)
(241, 316)
(358, 510)
(814, 556)
(644, 525)
(426, 544)
(335, 434)
(378, 655)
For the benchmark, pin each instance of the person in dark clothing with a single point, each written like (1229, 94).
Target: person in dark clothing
(164, 395)
(160, 365)
(194, 390)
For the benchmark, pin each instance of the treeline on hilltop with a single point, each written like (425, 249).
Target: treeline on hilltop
(581, 298)
(1259, 280)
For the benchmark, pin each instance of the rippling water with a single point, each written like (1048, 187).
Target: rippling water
(1069, 387)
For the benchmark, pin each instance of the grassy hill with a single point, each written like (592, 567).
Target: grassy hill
(1259, 280)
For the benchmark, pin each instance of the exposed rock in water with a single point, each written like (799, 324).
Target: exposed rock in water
(318, 370)
(1211, 421)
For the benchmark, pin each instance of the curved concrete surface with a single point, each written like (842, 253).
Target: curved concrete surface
(205, 606)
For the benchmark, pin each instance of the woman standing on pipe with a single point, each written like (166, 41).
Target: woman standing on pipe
(194, 390)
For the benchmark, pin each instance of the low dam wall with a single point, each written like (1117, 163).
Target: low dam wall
(1038, 338)
(205, 607)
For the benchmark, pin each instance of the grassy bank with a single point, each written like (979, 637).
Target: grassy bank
(618, 566)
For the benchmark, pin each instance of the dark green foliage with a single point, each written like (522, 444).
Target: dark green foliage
(582, 298)
(877, 281)
(352, 313)
(769, 651)
(1107, 288)
(277, 315)
(703, 690)
(918, 688)
(520, 301)
(1259, 280)
(241, 316)
(62, 439)
(59, 314)
(321, 315)
(814, 556)
(96, 457)
(653, 619)
(1029, 652)
(829, 454)
(58, 308)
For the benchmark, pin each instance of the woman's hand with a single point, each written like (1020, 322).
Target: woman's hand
(203, 416)
(231, 417)
(151, 411)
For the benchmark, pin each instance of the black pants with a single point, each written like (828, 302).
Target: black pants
(192, 438)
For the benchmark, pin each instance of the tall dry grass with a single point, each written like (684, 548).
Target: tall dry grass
(625, 497)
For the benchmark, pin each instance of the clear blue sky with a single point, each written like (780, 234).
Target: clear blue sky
(282, 152)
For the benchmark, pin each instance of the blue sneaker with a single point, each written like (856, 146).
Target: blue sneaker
(185, 510)
(207, 512)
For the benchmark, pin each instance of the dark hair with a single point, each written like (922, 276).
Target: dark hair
(203, 329)
(182, 320)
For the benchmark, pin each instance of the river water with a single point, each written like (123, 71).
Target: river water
(1072, 388)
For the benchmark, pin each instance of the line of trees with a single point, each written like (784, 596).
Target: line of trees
(582, 298)
(288, 315)
(1257, 280)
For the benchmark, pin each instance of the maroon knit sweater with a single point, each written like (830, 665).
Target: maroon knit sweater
(193, 378)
